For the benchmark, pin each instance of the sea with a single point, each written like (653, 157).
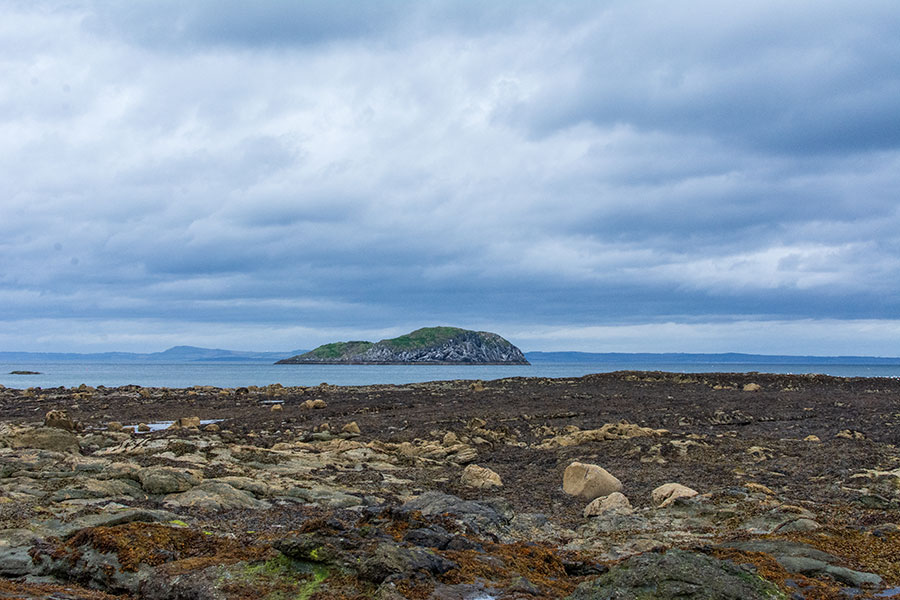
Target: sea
(238, 374)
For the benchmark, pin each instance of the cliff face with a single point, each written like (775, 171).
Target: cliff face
(430, 345)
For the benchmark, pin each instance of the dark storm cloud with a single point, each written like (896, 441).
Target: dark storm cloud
(583, 175)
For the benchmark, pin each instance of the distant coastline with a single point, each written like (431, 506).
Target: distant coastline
(194, 354)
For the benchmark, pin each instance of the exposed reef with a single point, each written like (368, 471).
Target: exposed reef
(621, 485)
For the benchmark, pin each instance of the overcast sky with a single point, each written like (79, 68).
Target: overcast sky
(598, 176)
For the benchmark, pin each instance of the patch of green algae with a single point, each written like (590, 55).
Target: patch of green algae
(279, 578)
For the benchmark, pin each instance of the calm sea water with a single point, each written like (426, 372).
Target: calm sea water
(243, 374)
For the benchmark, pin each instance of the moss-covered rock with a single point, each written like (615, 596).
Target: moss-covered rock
(677, 574)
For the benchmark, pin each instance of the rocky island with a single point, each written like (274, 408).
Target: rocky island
(627, 485)
(426, 346)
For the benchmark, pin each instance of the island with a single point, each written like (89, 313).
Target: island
(426, 346)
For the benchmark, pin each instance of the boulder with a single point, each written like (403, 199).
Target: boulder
(15, 561)
(277, 407)
(752, 387)
(46, 438)
(589, 481)
(480, 477)
(392, 559)
(613, 503)
(351, 428)
(317, 403)
(169, 480)
(797, 557)
(59, 419)
(114, 426)
(143, 428)
(668, 493)
(215, 495)
(479, 516)
(185, 422)
(677, 574)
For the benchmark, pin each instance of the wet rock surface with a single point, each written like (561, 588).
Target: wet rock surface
(711, 485)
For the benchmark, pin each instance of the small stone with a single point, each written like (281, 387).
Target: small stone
(752, 387)
(450, 439)
(352, 428)
(758, 487)
(143, 427)
(276, 407)
(849, 434)
(114, 426)
(317, 403)
(615, 502)
(812, 438)
(476, 423)
(589, 481)
(476, 386)
(211, 428)
(480, 477)
(667, 493)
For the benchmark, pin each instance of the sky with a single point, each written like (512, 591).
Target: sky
(622, 176)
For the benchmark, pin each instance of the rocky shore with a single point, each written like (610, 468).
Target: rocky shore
(621, 485)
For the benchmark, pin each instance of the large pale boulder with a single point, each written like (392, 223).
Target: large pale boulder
(480, 477)
(589, 481)
(668, 493)
(614, 503)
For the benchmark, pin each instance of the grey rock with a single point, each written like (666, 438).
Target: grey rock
(677, 574)
(215, 495)
(14, 546)
(479, 516)
(324, 496)
(805, 560)
(813, 567)
(93, 488)
(168, 480)
(54, 528)
(393, 559)
(799, 525)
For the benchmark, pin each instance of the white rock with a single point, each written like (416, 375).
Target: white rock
(614, 503)
(589, 481)
(480, 477)
(667, 493)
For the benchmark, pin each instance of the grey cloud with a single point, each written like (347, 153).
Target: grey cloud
(539, 164)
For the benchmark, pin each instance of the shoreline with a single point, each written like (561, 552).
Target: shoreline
(772, 457)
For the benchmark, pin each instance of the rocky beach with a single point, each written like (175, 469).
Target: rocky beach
(618, 485)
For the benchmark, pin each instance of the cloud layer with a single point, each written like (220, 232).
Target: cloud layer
(218, 172)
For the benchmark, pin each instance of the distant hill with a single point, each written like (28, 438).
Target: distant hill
(429, 345)
(176, 354)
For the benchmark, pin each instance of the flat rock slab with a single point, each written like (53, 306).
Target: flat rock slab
(677, 575)
(802, 559)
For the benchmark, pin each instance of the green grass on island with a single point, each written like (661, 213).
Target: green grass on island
(340, 349)
(422, 338)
